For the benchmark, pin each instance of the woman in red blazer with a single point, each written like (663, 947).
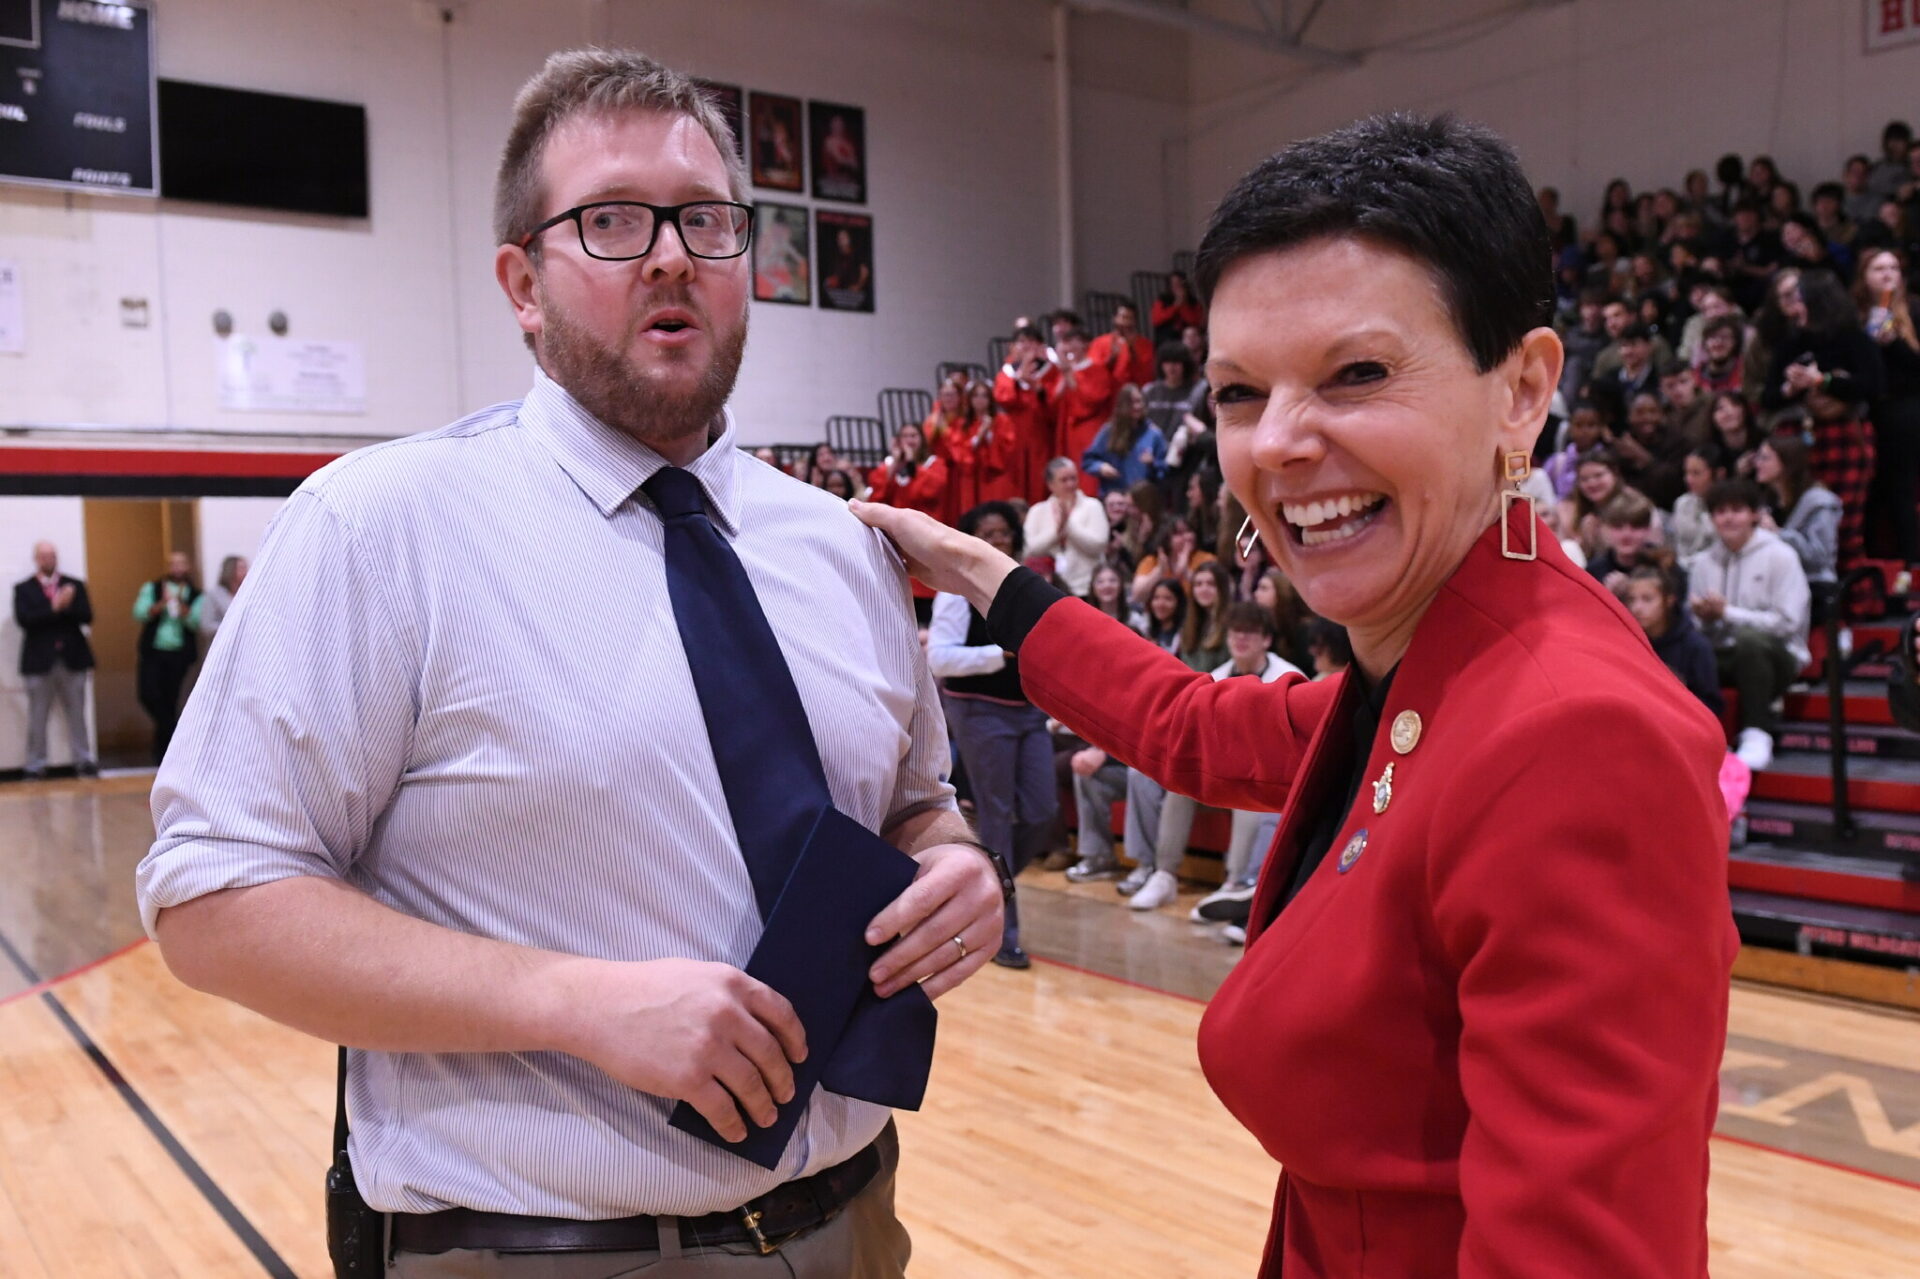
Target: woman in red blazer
(1481, 1011)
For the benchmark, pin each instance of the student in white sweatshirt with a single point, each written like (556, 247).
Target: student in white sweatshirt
(1750, 594)
(1069, 526)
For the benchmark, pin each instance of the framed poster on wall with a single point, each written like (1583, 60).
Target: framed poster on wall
(773, 129)
(837, 143)
(782, 265)
(846, 260)
(729, 99)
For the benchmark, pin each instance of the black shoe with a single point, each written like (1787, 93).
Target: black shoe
(33, 774)
(1013, 957)
(88, 769)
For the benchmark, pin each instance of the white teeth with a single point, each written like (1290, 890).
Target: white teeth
(1306, 515)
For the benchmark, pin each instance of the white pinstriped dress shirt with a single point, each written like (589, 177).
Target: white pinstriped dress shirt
(454, 681)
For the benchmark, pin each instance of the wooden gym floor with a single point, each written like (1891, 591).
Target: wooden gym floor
(147, 1130)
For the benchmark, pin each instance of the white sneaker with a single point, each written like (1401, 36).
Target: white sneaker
(1159, 889)
(1755, 749)
(1234, 935)
(1136, 880)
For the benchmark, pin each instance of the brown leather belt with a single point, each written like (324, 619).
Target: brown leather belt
(766, 1222)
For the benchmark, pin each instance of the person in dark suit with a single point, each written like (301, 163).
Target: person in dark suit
(1484, 1000)
(55, 657)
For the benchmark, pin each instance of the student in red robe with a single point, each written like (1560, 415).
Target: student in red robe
(1025, 393)
(948, 432)
(1086, 402)
(1126, 352)
(998, 451)
(1176, 310)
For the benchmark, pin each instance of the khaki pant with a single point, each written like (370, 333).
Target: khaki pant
(863, 1241)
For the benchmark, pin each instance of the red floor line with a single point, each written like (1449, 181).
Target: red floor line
(82, 970)
(1889, 1178)
(1718, 1136)
(1124, 981)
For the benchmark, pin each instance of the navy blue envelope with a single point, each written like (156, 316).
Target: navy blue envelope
(814, 951)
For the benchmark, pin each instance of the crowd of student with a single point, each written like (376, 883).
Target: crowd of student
(1736, 430)
(1742, 411)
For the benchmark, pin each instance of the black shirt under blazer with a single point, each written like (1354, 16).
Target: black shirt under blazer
(52, 637)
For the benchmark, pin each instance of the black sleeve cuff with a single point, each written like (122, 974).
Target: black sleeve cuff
(1018, 607)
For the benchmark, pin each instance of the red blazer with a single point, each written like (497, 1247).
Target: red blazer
(1487, 1046)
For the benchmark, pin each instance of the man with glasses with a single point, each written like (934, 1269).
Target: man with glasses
(517, 844)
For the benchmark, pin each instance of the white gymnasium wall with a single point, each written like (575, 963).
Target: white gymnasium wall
(1130, 96)
(1587, 91)
(964, 214)
(232, 526)
(24, 521)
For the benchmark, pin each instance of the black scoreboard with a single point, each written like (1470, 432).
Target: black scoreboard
(77, 95)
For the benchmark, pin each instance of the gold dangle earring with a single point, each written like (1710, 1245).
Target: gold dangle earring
(1519, 467)
(1246, 538)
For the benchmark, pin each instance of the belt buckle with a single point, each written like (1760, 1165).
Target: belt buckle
(750, 1218)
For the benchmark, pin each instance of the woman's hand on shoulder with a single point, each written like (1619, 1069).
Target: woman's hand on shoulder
(940, 557)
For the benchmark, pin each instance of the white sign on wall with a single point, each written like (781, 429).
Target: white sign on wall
(286, 375)
(1891, 23)
(13, 310)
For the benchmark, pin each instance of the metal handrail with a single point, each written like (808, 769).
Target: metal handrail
(1839, 665)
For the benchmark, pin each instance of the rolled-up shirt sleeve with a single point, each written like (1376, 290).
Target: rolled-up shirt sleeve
(299, 730)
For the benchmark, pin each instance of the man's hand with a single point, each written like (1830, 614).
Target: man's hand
(63, 599)
(1710, 607)
(956, 894)
(1088, 762)
(706, 1034)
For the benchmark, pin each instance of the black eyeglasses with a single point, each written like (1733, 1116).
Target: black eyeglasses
(622, 230)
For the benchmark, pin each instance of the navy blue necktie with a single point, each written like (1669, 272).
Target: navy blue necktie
(776, 792)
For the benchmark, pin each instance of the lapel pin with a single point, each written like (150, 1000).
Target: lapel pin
(1383, 791)
(1351, 853)
(1406, 732)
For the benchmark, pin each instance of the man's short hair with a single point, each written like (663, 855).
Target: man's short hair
(1450, 194)
(1896, 129)
(1735, 491)
(1629, 508)
(1674, 368)
(1074, 331)
(1245, 615)
(1595, 295)
(1830, 191)
(1857, 158)
(576, 82)
(1030, 332)
(1636, 332)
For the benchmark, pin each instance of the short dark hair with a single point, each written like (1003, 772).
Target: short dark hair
(1897, 129)
(1636, 332)
(1175, 353)
(1856, 158)
(1736, 491)
(1595, 294)
(1674, 368)
(1450, 194)
(1730, 170)
(970, 521)
(1248, 616)
(1725, 324)
(1031, 332)
(1829, 191)
(1074, 331)
(1331, 638)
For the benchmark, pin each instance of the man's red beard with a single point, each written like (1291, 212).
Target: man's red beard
(610, 385)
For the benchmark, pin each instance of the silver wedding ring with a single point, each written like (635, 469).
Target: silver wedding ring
(963, 947)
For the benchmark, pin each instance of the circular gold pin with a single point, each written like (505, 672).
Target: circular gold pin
(1406, 731)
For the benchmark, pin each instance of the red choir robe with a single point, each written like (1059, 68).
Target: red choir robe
(1128, 361)
(1084, 409)
(1030, 408)
(1000, 458)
